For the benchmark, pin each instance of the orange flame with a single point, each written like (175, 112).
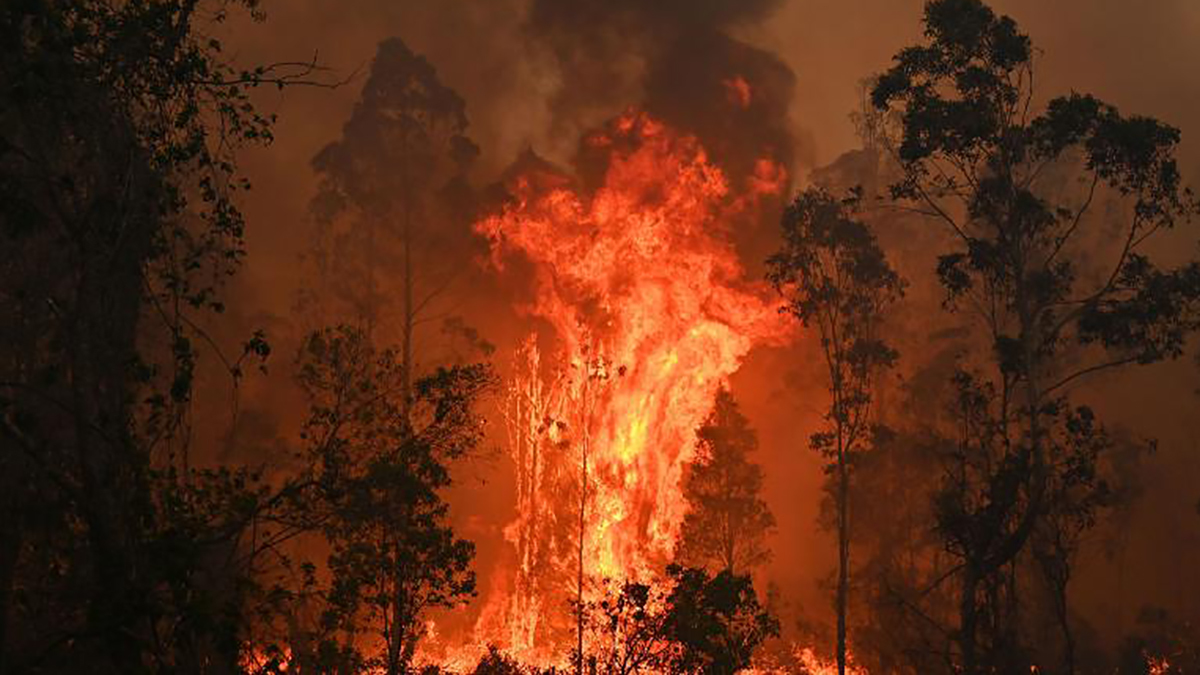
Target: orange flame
(650, 314)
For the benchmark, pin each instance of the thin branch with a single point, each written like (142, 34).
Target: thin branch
(1062, 240)
(274, 74)
(1088, 371)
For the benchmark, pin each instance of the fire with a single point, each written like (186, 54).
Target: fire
(1157, 665)
(813, 665)
(650, 314)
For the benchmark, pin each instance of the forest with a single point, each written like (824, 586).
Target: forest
(603, 337)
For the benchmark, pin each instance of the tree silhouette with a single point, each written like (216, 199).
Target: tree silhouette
(378, 468)
(391, 197)
(1063, 289)
(119, 124)
(833, 276)
(715, 621)
(695, 622)
(726, 524)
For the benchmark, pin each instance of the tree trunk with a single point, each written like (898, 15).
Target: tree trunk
(843, 589)
(399, 622)
(968, 614)
(10, 548)
(101, 326)
(409, 319)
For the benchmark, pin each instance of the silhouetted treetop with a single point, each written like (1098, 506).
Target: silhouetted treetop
(392, 146)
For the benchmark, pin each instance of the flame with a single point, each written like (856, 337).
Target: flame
(650, 315)
(1157, 665)
(813, 665)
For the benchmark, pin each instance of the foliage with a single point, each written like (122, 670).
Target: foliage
(393, 185)
(379, 464)
(716, 621)
(980, 474)
(628, 630)
(496, 662)
(119, 124)
(695, 623)
(1059, 294)
(727, 521)
(833, 275)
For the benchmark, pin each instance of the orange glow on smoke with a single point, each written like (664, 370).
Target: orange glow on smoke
(738, 91)
(649, 315)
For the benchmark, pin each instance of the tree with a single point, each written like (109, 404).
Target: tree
(833, 276)
(629, 631)
(715, 621)
(1060, 295)
(378, 467)
(694, 622)
(726, 524)
(119, 124)
(391, 192)
(901, 624)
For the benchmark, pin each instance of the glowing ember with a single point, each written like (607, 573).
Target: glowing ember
(650, 315)
(1157, 665)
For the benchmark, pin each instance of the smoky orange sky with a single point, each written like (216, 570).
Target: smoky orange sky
(1141, 56)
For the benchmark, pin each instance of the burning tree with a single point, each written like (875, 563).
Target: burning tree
(727, 523)
(1062, 289)
(834, 276)
(636, 276)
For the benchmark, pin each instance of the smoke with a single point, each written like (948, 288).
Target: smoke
(678, 60)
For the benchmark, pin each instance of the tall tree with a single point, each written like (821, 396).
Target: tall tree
(834, 277)
(727, 522)
(1063, 290)
(390, 198)
(119, 123)
(378, 466)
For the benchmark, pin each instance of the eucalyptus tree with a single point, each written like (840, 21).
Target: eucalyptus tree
(1059, 278)
(835, 278)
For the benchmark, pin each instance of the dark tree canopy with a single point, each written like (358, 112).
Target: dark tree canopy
(715, 620)
(834, 277)
(378, 467)
(392, 190)
(695, 622)
(119, 123)
(1064, 289)
(976, 157)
